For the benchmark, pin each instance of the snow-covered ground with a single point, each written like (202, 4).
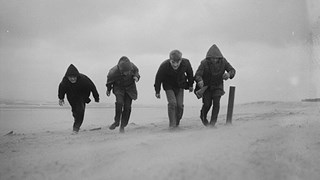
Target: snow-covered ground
(267, 140)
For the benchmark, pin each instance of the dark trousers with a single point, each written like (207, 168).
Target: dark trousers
(208, 100)
(123, 109)
(78, 108)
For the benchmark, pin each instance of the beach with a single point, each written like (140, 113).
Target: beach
(266, 140)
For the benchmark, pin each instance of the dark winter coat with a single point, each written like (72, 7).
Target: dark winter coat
(211, 72)
(121, 83)
(79, 90)
(174, 79)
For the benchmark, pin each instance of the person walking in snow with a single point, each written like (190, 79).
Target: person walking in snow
(122, 80)
(175, 74)
(77, 87)
(209, 78)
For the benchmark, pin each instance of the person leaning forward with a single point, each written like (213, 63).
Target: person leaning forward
(78, 87)
(175, 74)
(209, 78)
(122, 80)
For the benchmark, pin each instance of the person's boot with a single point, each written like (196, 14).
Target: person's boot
(215, 111)
(117, 116)
(121, 129)
(172, 116)
(213, 123)
(125, 116)
(114, 125)
(179, 114)
(214, 118)
(75, 130)
(203, 118)
(178, 122)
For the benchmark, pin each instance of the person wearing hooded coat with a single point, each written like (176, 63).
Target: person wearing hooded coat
(77, 87)
(175, 74)
(210, 75)
(122, 80)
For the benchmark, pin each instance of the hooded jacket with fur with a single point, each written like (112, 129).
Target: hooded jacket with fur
(122, 83)
(211, 71)
(81, 89)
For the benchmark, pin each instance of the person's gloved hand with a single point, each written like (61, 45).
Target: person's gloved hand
(200, 84)
(61, 102)
(136, 78)
(190, 89)
(108, 93)
(226, 76)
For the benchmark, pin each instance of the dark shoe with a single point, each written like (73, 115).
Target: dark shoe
(113, 126)
(121, 130)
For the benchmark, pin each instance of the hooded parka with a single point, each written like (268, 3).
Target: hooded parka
(79, 90)
(211, 71)
(122, 83)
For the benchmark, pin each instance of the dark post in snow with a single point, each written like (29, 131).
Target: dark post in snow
(230, 104)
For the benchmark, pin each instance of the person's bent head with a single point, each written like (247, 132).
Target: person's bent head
(125, 65)
(175, 59)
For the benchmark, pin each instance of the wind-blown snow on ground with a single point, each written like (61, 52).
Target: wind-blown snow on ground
(267, 140)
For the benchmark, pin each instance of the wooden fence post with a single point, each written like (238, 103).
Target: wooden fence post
(230, 104)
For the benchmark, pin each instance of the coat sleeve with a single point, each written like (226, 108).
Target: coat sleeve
(159, 78)
(230, 69)
(61, 90)
(109, 87)
(189, 74)
(109, 83)
(94, 91)
(111, 78)
(199, 72)
(136, 71)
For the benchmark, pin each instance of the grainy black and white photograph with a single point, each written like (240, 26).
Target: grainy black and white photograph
(161, 90)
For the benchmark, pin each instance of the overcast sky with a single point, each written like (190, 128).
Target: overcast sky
(267, 42)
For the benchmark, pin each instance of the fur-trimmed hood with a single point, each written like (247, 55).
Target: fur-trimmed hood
(214, 52)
